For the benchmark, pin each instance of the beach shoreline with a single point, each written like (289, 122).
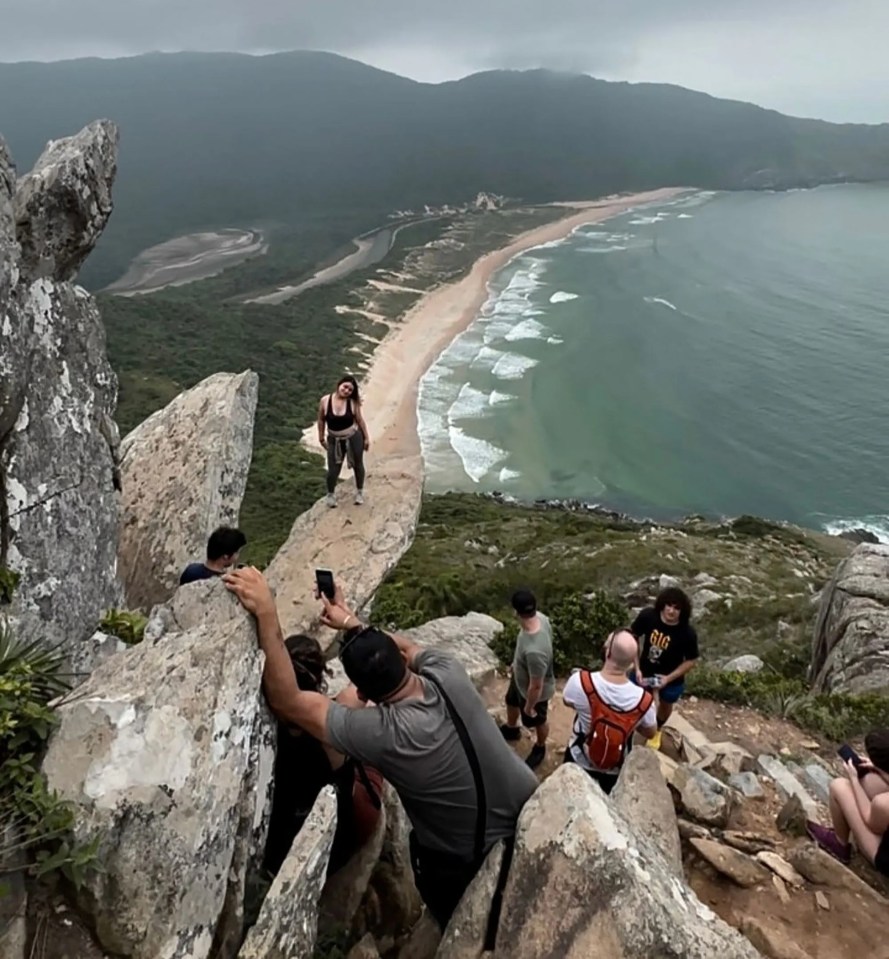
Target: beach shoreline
(390, 389)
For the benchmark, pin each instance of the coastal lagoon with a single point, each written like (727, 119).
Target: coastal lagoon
(714, 353)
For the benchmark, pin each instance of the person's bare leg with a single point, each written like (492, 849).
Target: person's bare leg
(847, 819)
(874, 784)
(513, 713)
(542, 734)
(664, 712)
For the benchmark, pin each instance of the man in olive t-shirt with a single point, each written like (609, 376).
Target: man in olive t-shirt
(533, 681)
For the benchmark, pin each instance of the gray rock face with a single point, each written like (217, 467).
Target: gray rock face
(584, 884)
(166, 753)
(643, 798)
(183, 473)
(704, 797)
(468, 638)
(786, 783)
(288, 922)
(850, 646)
(464, 937)
(59, 517)
(747, 785)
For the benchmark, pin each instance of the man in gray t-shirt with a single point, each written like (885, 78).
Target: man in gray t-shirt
(409, 736)
(533, 681)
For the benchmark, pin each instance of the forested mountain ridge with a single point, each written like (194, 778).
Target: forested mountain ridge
(212, 140)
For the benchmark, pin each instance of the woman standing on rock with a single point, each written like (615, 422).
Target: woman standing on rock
(343, 432)
(859, 807)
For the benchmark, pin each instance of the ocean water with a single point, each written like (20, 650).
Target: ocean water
(717, 354)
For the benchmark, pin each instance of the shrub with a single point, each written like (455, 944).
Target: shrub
(9, 580)
(580, 626)
(127, 625)
(834, 716)
(30, 677)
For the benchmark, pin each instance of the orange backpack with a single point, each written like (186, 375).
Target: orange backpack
(610, 728)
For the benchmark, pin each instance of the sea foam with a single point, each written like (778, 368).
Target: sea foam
(478, 456)
(526, 330)
(513, 366)
(878, 525)
(661, 300)
(562, 297)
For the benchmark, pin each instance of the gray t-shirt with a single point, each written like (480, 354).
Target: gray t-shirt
(415, 745)
(534, 660)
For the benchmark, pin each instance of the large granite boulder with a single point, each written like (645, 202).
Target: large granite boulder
(59, 516)
(584, 883)
(183, 473)
(288, 922)
(167, 753)
(850, 647)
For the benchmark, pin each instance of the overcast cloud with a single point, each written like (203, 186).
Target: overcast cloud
(822, 58)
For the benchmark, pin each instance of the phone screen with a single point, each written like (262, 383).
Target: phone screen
(324, 579)
(847, 753)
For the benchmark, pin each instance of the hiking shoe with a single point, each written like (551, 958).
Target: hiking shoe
(655, 741)
(829, 841)
(359, 498)
(536, 757)
(510, 733)
(331, 500)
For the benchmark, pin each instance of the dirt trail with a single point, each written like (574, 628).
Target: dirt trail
(362, 543)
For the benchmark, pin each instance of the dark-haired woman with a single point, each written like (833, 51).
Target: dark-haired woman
(668, 651)
(859, 807)
(343, 433)
(303, 766)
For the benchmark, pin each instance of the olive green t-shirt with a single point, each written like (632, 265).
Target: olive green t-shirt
(534, 659)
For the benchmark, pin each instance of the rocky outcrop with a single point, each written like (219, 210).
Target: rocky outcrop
(58, 503)
(850, 647)
(183, 473)
(288, 921)
(583, 883)
(468, 638)
(166, 753)
(360, 553)
(643, 798)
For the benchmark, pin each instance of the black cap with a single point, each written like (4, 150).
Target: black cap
(373, 662)
(524, 602)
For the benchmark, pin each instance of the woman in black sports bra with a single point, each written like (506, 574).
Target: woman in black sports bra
(343, 433)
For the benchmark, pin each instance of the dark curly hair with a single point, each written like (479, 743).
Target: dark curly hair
(674, 596)
(876, 745)
(308, 663)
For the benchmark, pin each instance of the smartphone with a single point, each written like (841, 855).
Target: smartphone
(325, 583)
(848, 754)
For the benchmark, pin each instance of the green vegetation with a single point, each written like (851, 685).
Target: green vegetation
(472, 553)
(38, 823)
(285, 139)
(127, 625)
(9, 580)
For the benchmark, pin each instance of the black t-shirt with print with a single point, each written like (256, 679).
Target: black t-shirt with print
(663, 647)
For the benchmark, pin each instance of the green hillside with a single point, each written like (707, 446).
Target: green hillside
(277, 141)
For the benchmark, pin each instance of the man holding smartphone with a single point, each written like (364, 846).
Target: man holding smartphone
(428, 732)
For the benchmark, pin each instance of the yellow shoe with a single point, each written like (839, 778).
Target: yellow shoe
(655, 741)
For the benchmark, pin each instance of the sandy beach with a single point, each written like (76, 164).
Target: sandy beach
(362, 543)
(389, 390)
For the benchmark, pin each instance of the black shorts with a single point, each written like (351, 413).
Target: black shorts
(881, 860)
(440, 878)
(514, 699)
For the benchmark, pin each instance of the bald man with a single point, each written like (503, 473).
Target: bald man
(613, 706)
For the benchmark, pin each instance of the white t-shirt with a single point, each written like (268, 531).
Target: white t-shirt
(620, 695)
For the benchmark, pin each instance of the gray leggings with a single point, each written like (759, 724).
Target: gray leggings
(356, 447)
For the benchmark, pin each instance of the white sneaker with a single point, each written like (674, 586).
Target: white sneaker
(359, 498)
(331, 500)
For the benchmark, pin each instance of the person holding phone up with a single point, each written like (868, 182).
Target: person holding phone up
(859, 805)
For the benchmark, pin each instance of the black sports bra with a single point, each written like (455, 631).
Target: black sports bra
(339, 423)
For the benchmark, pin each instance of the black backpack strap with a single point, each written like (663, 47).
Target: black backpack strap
(481, 821)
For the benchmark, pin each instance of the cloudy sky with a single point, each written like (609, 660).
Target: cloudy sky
(823, 58)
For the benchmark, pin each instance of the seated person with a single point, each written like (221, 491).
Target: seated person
(609, 710)
(223, 547)
(859, 807)
(304, 766)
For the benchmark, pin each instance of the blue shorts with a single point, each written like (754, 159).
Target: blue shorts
(671, 693)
